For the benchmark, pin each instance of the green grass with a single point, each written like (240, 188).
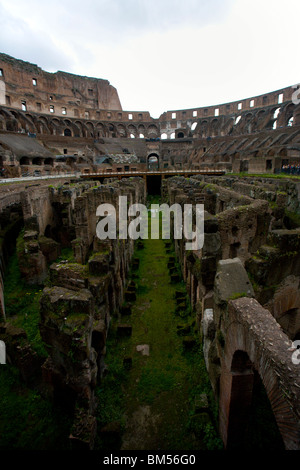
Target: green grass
(28, 421)
(266, 175)
(169, 378)
(22, 304)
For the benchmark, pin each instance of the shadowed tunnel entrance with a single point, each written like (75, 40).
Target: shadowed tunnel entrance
(153, 161)
(251, 424)
(153, 185)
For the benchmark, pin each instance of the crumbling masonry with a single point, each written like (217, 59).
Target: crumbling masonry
(244, 282)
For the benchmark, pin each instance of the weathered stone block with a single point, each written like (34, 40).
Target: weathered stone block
(69, 275)
(231, 281)
(99, 264)
(50, 248)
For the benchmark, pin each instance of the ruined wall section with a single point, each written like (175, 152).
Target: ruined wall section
(25, 82)
(248, 252)
(82, 296)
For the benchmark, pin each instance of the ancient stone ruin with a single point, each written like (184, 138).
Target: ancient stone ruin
(66, 147)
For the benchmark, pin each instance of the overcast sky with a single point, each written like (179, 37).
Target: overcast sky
(161, 54)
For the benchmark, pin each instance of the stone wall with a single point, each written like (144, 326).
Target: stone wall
(249, 254)
(76, 309)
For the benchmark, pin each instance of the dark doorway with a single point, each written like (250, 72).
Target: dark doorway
(244, 165)
(153, 161)
(154, 184)
(262, 431)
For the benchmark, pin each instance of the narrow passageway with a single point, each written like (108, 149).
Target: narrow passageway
(156, 372)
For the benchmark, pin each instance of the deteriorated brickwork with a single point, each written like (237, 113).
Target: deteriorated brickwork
(250, 253)
(77, 123)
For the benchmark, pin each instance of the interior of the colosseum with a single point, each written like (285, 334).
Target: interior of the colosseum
(250, 250)
(45, 134)
(64, 285)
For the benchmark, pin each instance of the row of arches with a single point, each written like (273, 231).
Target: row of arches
(18, 121)
(248, 122)
(244, 123)
(36, 161)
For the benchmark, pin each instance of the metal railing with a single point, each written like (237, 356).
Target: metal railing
(30, 176)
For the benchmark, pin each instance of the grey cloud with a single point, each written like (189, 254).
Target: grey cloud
(19, 41)
(111, 20)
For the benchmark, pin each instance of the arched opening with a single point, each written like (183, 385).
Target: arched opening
(153, 161)
(67, 133)
(24, 161)
(49, 161)
(180, 135)
(164, 135)
(262, 432)
(252, 423)
(37, 161)
(48, 231)
(194, 125)
(275, 116)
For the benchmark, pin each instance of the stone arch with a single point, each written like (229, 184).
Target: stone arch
(285, 306)
(214, 128)
(30, 125)
(273, 364)
(153, 131)
(288, 113)
(48, 161)
(72, 128)
(68, 132)
(55, 125)
(261, 114)
(153, 161)
(121, 130)
(141, 130)
(80, 129)
(227, 127)
(37, 161)
(17, 124)
(180, 133)
(24, 161)
(282, 152)
(132, 130)
(100, 130)
(203, 128)
(42, 125)
(112, 129)
(90, 128)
